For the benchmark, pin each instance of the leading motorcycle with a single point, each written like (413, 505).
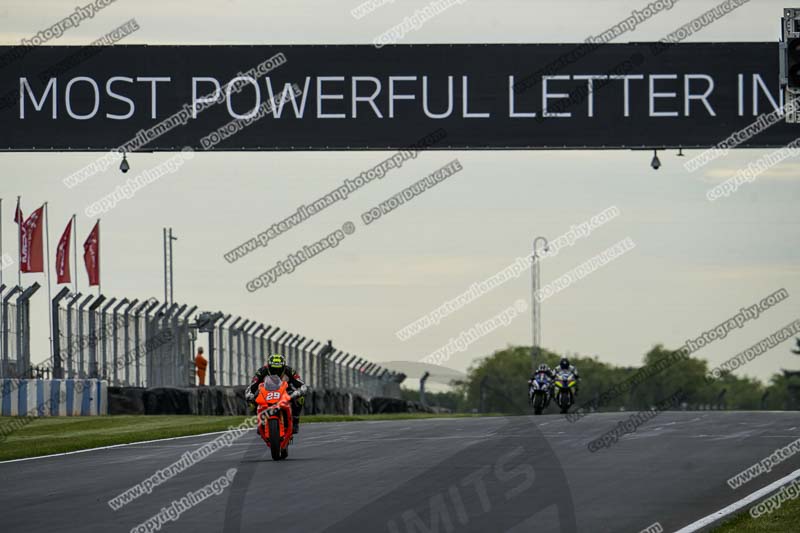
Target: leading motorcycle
(564, 390)
(275, 416)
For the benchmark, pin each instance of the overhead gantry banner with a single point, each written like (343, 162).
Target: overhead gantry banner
(358, 97)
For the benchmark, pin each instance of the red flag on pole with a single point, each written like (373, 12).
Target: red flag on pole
(62, 256)
(31, 256)
(91, 255)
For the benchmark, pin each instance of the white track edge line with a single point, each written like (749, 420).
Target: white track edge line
(109, 447)
(722, 513)
(177, 438)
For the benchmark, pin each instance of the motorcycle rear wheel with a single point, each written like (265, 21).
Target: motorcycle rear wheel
(275, 439)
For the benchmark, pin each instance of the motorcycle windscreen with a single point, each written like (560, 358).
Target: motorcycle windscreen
(272, 383)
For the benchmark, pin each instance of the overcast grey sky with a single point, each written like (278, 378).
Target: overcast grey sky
(695, 264)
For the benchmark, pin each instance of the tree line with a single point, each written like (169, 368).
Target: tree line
(498, 383)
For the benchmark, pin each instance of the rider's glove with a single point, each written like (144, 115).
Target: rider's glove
(296, 394)
(249, 396)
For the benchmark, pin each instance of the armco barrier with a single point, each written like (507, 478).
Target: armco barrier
(219, 401)
(54, 397)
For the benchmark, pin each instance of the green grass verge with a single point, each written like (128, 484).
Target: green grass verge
(785, 518)
(43, 436)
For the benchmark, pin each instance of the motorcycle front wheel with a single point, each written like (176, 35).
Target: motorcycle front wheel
(538, 404)
(275, 439)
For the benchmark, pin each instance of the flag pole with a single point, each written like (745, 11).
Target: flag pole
(75, 253)
(49, 295)
(19, 247)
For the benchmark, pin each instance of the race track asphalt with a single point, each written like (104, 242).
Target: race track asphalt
(435, 475)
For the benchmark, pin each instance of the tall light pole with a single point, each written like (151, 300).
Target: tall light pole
(536, 313)
(168, 281)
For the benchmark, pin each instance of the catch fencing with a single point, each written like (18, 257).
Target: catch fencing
(15, 337)
(240, 346)
(146, 343)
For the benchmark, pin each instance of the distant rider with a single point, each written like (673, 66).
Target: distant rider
(276, 366)
(564, 366)
(543, 369)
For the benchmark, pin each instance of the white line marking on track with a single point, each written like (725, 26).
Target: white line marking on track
(722, 513)
(108, 447)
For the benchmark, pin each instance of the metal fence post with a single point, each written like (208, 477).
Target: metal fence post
(206, 323)
(279, 343)
(249, 332)
(160, 325)
(24, 331)
(348, 374)
(126, 341)
(272, 341)
(290, 344)
(262, 343)
(322, 364)
(105, 335)
(365, 378)
(336, 369)
(231, 333)
(376, 379)
(179, 358)
(57, 369)
(115, 336)
(70, 337)
(82, 337)
(313, 364)
(223, 353)
(149, 347)
(137, 341)
(239, 355)
(296, 350)
(304, 355)
(93, 368)
(360, 375)
(186, 347)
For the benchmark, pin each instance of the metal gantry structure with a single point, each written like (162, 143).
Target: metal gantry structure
(146, 343)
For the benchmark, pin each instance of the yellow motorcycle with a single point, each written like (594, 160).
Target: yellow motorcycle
(564, 390)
